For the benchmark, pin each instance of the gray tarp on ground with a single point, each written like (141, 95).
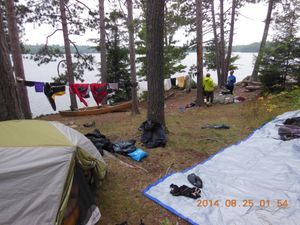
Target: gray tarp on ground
(258, 168)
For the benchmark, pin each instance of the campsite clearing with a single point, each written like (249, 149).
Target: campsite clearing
(120, 197)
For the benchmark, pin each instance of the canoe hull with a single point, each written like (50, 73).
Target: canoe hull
(95, 110)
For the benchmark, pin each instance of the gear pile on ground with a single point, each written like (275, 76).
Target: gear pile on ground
(153, 134)
(290, 129)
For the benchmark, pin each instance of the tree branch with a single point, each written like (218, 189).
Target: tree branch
(68, 9)
(209, 30)
(58, 65)
(51, 35)
(83, 5)
(122, 8)
(79, 54)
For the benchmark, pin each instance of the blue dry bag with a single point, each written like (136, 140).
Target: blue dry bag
(138, 154)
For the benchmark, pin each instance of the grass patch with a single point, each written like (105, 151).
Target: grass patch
(120, 197)
(188, 144)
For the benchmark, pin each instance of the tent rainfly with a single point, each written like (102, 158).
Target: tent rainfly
(46, 168)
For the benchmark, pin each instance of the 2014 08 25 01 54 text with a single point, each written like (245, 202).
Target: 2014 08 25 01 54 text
(234, 203)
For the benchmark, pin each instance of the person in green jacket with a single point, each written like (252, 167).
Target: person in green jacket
(208, 87)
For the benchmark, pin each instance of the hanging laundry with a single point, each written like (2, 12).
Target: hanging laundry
(143, 86)
(173, 81)
(57, 84)
(51, 91)
(99, 91)
(113, 86)
(39, 86)
(28, 83)
(180, 81)
(81, 90)
(167, 84)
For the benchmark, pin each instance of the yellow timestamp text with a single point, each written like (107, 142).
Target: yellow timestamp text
(227, 203)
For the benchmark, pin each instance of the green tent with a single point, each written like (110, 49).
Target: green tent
(38, 160)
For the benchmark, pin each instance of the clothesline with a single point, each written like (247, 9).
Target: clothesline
(82, 90)
(39, 84)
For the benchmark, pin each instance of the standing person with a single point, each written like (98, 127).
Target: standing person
(230, 82)
(208, 86)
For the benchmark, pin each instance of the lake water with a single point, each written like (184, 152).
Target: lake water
(39, 103)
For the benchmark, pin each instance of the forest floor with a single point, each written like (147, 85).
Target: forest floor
(120, 197)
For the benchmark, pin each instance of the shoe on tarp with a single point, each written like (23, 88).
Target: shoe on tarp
(195, 180)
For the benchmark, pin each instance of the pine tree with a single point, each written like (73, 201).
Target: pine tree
(130, 24)
(15, 46)
(117, 56)
(281, 60)
(103, 52)
(9, 98)
(155, 60)
(199, 38)
(173, 54)
(70, 71)
(219, 50)
(264, 40)
(65, 16)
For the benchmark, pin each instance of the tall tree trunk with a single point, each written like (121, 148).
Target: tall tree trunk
(199, 30)
(229, 51)
(263, 40)
(155, 44)
(135, 109)
(70, 70)
(165, 25)
(9, 101)
(102, 43)
(222, 44)
(17, 56)
(216, 39)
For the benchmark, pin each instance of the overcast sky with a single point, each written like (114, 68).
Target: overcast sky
(248, 29)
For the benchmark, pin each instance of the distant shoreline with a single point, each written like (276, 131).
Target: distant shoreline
(86, 49)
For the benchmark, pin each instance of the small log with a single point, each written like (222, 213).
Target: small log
(253, 88)
(169, 95)
(168, 169)
(107, 153)
(254, 83)
(251, 83)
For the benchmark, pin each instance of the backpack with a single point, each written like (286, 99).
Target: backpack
(153, 134)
